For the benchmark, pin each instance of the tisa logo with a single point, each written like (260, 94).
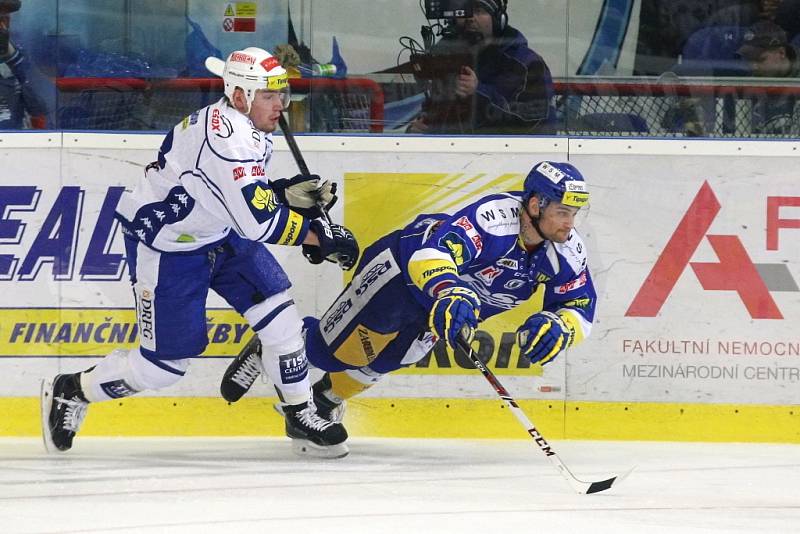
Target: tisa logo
(735, 270)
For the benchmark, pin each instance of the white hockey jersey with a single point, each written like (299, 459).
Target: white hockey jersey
(209, 178)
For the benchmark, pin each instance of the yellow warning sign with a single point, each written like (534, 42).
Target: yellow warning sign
(229, 11)
(245, 9)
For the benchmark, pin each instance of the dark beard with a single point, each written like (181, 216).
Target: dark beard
(472, 37)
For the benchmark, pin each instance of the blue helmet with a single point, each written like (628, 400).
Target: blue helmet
(556, 181)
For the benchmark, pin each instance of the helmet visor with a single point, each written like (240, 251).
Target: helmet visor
(267, 95)
(279, 85)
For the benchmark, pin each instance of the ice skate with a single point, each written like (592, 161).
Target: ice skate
(312, 435)
(326, 408)
(63, 409)
(242, 372)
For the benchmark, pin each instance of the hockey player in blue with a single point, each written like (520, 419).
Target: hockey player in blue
(442, 273)
(197, 221)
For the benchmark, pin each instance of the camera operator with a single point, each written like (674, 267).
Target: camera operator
(493, 84)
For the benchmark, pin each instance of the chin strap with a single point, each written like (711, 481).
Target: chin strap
(535, 222)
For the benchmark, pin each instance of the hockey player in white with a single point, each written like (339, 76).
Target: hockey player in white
(198, 221)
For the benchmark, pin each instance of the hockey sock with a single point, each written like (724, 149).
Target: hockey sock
(126, 372)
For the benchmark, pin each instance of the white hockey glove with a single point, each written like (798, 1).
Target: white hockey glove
(305, 194)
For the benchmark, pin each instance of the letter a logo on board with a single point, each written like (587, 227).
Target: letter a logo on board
(734, 272)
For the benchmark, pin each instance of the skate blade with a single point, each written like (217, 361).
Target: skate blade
(307, 449)
(46, 403)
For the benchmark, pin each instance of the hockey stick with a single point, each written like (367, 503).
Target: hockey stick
(578, 485)
(298, 157)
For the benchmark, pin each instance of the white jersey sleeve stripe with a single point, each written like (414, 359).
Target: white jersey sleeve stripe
(273, 224)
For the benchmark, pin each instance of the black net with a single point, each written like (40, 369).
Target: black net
(132, 104)
(670, 110)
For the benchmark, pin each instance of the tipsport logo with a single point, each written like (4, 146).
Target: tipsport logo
(735, 271)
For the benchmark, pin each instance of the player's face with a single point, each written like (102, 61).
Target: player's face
(266, 109)
(556, 221)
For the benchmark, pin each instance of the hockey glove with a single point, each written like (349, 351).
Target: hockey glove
(455, 307)
(336, 244)
(543, 336)
(305, 194)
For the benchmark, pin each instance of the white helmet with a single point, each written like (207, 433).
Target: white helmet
(251, 69)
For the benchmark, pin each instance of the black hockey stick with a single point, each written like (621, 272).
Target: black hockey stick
(298, 157)
(578, 485)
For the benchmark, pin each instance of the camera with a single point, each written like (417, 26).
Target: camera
(437, 67)
(445, 58)
(448, 9)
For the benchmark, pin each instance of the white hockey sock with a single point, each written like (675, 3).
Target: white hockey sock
(126, 372)
(284, 354)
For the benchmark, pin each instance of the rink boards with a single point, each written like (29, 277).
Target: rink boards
(693, 246)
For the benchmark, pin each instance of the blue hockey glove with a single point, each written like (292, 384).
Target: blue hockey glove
(305, 194)
(336, 244)
(454, 308)
(543, 336)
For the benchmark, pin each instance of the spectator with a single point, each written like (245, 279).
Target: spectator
(498, 84)
(785, 13)
(769, 54)
(766, 49)
(20, 104)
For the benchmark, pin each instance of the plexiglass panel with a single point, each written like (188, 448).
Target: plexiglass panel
(666, 68)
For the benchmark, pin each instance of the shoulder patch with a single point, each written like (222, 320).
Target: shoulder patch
(191, 120)
(457, 247)
(219, 125)
(231, 137)
(499, 216)
(261, 200)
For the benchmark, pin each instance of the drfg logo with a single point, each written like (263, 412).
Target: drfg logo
(735, 270)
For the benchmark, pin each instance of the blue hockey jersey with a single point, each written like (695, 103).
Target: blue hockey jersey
(479, 246)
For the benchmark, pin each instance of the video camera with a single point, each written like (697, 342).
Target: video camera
(445, 58)
(437, 67)
(448, 9)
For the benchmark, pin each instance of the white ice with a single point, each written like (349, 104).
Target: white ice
(236, 485)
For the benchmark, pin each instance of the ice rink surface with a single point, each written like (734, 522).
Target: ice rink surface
(199, 485)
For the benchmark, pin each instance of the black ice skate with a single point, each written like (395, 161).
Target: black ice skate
(326, 408)
(63, 409)
(312, 435)
(241, 374)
